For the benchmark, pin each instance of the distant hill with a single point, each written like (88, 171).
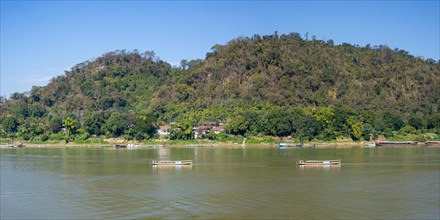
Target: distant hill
(288, 70)
(114, 93)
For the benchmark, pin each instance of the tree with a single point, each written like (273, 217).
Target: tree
(237, 124)
(356, 127)
(305, 127)
(183, 129)
(117, 123)
(416, 121)
(2, 100)
(55, 124)
(392, 121)
(150, 55)
(434, 122)
(367, 131)
(10, 124)
(69, 125)
(184, 64)
(356, 131)
(278, 122)
(37, 110)
(324, 114)
(340, 125)
(94, 123)
(143, 128)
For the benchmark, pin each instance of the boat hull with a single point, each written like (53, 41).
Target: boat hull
(171, 163)
(370, 144)
(395, 143)
(319, 163)
(432, 143)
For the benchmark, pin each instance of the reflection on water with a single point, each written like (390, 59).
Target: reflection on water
(400, 183)
(323, 167)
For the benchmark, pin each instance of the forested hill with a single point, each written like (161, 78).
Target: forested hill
(242, 83)
(288, 70)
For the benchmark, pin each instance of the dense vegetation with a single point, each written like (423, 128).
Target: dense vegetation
(259, 86)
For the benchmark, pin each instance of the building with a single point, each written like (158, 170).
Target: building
(164, 130)
(203, 128)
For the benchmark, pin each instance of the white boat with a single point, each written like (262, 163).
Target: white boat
(370, 144)
(171, 162)
(319, 162)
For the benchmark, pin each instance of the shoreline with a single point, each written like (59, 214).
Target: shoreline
(189, 145)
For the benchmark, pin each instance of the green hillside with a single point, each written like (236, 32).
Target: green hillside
(262, 85)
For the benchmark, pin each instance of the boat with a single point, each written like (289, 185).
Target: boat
(119, 146)
(370, 144)
(319, 162)
(395, 143)
(156, 146)
(286, 145)
(5, 146)
(17, 144)
(432, 143)
(200, 145)
(132, 146)
(171, 162)
(282, 145)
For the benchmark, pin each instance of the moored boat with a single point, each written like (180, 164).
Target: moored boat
(286, 145)
(171, 162)
(319, 162)
(432, 143)
(4, 146)
(370, 144)
(17, 144)
(282, 145)
(119, 146)
(395, 143)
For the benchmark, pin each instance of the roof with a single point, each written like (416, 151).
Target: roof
(164, 127)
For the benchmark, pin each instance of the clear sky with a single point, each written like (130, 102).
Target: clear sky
(41, 39)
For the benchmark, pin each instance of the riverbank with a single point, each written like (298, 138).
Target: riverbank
(111, 144)
(190, 144)
(229, 141)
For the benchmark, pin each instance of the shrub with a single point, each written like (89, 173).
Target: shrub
(388, 133)
(408, 129)
(57, 136)
(82, 136)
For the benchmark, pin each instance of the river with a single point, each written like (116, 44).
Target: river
(223, 183)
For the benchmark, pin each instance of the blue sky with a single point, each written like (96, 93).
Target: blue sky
(42, 39)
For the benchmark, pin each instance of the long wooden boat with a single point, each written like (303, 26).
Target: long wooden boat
(319, 162)
(432, 143)
(395, 143)
(171, 162)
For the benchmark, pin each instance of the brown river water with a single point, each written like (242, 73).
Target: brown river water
(222, 183)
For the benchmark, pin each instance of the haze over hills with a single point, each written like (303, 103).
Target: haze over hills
(272, 85)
